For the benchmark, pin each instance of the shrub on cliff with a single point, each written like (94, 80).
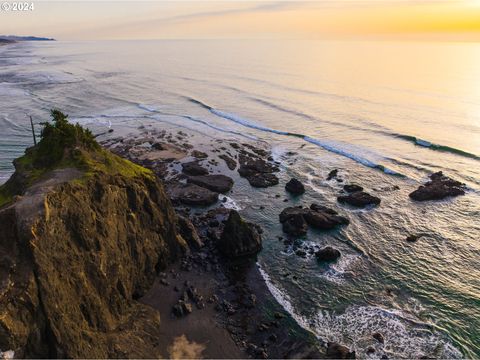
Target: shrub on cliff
(60, 136)
(64, 144)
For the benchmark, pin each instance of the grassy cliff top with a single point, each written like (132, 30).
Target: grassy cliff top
(65, 145)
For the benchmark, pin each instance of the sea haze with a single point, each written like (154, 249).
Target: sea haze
(386, 114)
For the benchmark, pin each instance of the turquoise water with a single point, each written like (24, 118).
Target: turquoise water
(384, 114)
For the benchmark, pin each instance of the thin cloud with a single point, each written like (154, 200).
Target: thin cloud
(266, 7)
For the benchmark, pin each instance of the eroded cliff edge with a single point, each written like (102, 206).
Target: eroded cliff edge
(81, 239)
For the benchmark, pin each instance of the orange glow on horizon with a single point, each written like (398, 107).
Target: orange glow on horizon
(449, 19)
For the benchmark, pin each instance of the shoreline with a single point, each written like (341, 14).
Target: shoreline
(238, 307)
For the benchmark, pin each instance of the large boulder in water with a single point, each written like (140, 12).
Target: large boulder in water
(323, 218)
(217, 183)
(328, 254)
(289, 212)
(295, 187)
(439, 187)
(295, 220)
(239, 238)
(359, 199)
(295, 225)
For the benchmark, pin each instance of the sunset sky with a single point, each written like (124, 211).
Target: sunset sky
(345, 19)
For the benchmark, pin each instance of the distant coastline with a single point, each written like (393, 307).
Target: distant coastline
(8, 39)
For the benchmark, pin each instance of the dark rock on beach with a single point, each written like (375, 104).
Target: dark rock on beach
(332, 174)
(295, 187)
(379, 337)
(188, 232)
(359, 199)
(257, 171)
(191, 194)
(414, 237)
(350, 188)
(182, 308)
(439, 187)
(194, 168)
(239, 237)
(199, 154)
(337, 351)
(262, 180)
(231, 163)
(327, 254)
(216, 183)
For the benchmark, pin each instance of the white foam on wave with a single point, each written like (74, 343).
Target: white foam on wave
(229, 203)
(155, 110)
(149, 108)
(424, 143)
(95, 120)
(218, 128)
(277, 153)
(311, 177)
(404, 336)
(242, 121)
(348, 151)
(282, 298)
(23, 60)
(336, 271)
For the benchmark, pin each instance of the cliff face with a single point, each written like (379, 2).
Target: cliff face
(74, 256)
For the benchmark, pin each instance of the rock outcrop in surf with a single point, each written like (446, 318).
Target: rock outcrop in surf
(359, 199)
(83, 236)
(296, 220)
(439, 187)
(295, 187)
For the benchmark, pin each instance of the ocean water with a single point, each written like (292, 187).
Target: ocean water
(385, 114)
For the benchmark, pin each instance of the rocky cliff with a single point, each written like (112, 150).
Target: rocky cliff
(78, 246)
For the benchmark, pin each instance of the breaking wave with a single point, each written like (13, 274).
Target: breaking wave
(153, 109)
(328, 145)
(404, 336)
(437, 147)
